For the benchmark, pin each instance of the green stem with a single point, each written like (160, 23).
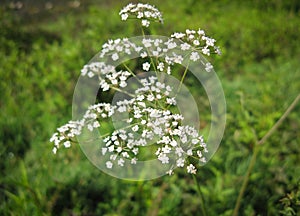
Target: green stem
(129, 70)
(149, 54)
(203, 209)
(245, 182)
(122, 91)
(279, 122)
(253, 159)
(183, 76)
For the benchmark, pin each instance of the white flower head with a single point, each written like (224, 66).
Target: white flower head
(109, 164)
(149, 111)
(191, 169)
(145, 12)
(124, 16)
(146, 66)
(135, 128)
(198, 40)
(208, 67)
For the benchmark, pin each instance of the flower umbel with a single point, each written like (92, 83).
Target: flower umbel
(198, 40)
(175, 142)
(146, 112)
(145, 12)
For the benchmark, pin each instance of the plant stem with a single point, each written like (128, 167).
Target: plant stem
(282, 118)
(245, 182)
(182, 79)
(203, 209)
(253, 159)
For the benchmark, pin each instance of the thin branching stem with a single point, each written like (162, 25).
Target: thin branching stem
(253, 158)
(183, 76)
(202, 203)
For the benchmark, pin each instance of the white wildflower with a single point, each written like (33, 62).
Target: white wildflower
(146, 66)
(109, 164)
(145, 23)
(208, 67)
(145, 12)
(180, 162)
(115, 56)
(191, 169)
(194, 56)
(135, 128)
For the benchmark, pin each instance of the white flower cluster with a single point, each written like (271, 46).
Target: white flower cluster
(149, 112)
(107, 75)
(198, 40)
(65, 134)
(174, 142)
(167, 53)
(145, 12)
(119, 47)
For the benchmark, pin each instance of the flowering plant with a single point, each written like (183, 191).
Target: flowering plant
(147, 111)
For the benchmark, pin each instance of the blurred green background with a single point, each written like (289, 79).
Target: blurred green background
(43, 46)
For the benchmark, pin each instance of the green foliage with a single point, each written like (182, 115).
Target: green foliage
(41, 53)
(291, 202)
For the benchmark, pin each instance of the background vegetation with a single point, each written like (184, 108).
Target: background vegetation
(43, 46)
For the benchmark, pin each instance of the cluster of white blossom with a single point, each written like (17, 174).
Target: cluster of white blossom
(147, 113)
(148, 120)
(198, 40)
(107, 75)
(65, 134)
(145, 12)
(166, 52)
(119, 47)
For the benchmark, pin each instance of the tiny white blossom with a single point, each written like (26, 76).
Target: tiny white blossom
(160, 66)
(121, 162)
(191, 169)
(170, 172)
(200, 32)
(150, 97)
(96, 124)
(199, 153)
(171, 101)
(109, 164)
(135, 128)
(163, 158)
(145, 23)
(124, 16)
(146, 66)
(208, 67)
(206, 51)
(185, 46)
(147, 42)
(133, 160)
(144, 54)
(196, 42)
(115, 56)
(169, 70)
(90, 127)
(180, 162)
(173, 143)
(67, 144)
(140, 15)
(194, 56)
(135, 151)
(104, 150)
(111, 148)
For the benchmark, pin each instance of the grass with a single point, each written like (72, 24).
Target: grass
(41, 54)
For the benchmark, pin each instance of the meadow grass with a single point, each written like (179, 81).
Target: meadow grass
(41, 54)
